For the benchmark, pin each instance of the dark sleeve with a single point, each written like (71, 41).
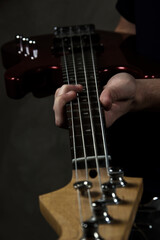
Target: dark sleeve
(126, 9)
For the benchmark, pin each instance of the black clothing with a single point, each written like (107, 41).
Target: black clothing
(145, 14)
(140, 130)
(134, 138)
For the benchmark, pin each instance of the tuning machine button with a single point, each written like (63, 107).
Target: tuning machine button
(109, 193)
(100, 212)
(90, 231)
(82, 186)
(116, 177)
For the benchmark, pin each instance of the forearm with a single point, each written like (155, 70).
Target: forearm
(147, 95)
(125, 26)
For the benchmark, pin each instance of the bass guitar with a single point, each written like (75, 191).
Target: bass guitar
(99, 202)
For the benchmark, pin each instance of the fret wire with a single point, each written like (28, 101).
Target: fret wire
(100, 111)
(90, 113)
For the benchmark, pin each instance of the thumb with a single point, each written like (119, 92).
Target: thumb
(106, 99)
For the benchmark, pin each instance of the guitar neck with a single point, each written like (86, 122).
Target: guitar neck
(85, 118)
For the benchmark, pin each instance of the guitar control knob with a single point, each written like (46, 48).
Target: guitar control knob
(116, 177)
(33, 49)
(25, 43)
(109, 193)
(27, 47)
(19, 43)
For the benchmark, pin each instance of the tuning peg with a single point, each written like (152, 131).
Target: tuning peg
(116, 177)
(109, 193)
(83, 186)
(100, 212)
(90, 230)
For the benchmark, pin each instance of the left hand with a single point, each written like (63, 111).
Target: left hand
(118, 96)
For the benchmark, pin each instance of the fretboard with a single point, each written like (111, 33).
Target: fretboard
(85, 118)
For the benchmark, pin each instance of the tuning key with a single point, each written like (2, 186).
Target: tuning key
(100, 211)
(109, 193)
(83, 186)
(90, 230)
(116, 177)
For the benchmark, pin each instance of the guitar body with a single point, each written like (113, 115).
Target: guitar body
(42, 75)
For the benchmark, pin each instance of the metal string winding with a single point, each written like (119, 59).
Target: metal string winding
(99, 108)
(90, 114)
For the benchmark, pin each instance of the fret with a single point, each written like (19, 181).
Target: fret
(86, 127)
(89, 151)
(86, 122)
(88, 139)
(85, 117)
(84, 112)
(84, 105)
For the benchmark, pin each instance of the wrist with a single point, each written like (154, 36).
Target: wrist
(147, 95)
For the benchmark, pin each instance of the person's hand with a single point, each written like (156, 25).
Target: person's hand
(63, 95)
(118, 96)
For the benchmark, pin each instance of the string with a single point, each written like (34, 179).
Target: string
(79, 110)
(90, 114)
(99, 108)
(71, 107)
(81, 125)
(73, 133)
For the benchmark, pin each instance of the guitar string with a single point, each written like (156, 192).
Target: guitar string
(90, 114)
(99, 108)
(81, 124)
(73, 134)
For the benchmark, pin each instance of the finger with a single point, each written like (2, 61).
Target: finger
(66, 88)
(105, 99)
(59, 104)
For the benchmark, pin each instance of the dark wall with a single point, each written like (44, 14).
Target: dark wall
(34, 153)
